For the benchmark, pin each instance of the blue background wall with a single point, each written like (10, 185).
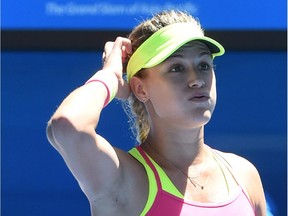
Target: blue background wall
(102, 14)
(250, 120)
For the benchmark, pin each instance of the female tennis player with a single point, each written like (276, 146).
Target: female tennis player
(170, 90)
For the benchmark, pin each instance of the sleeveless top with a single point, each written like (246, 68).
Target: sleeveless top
(165, 199)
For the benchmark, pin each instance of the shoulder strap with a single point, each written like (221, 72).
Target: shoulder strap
(153, 177)
(150, 164)
(229, 167)
(162, 180)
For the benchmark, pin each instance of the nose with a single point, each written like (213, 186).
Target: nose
(195, 81)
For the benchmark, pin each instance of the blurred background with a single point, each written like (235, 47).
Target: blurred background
(51, 47)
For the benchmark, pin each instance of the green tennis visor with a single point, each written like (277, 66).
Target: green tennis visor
(163, 43)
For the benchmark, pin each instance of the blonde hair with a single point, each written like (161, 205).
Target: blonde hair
(135, 109)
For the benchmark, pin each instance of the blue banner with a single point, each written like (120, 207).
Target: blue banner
(104, 15)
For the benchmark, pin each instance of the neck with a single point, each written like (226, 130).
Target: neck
(183, 149)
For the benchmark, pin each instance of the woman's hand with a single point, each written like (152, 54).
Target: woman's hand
(114, 56)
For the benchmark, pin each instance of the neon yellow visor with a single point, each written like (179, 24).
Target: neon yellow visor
(163, 43)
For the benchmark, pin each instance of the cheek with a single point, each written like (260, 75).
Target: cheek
(162, 97)
(164, 101)
(213, 92)
(213, 96)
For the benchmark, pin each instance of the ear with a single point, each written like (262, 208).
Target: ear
(139, 89)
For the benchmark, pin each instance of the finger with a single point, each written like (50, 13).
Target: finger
(125, 54)
(108, 46)
(124, 44)
(103, 58)
(126, 48)
(107, 50)
(114, 60)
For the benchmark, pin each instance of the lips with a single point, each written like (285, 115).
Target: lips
(199, 97)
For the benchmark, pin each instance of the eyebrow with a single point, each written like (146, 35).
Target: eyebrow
(176, 55)
(205, 53)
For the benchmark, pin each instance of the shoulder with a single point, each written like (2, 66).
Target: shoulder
(249, 178)
(117, 197)
(241, 165)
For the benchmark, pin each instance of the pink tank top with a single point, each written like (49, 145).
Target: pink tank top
(168, 204)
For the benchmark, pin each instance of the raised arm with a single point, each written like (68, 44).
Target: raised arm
(71, 130)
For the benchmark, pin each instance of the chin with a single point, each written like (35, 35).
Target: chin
(203, 119)
(207, 114)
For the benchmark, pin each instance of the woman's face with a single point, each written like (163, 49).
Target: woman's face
(182, 89)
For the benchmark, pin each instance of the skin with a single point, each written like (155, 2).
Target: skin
(180, 96)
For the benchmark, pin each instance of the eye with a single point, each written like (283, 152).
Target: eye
(177, 68)
(204, 67)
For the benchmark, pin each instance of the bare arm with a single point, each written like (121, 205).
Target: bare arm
(71, 130)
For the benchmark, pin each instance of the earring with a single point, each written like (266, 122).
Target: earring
(143, 100)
